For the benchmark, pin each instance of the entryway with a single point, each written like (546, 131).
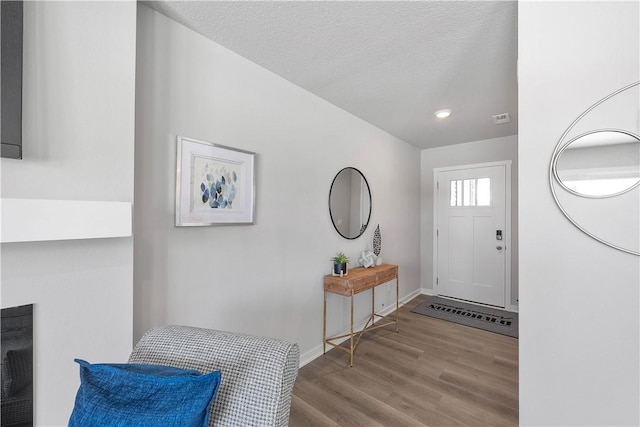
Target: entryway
(472, 221)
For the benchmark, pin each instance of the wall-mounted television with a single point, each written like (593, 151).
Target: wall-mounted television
(11, 79)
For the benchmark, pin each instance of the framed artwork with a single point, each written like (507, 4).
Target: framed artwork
(214, 184)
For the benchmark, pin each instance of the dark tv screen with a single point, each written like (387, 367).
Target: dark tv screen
(11, 79)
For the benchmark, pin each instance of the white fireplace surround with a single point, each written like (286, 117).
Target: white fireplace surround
(36, 220)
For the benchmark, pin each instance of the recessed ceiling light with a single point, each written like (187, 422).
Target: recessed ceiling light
(442, 114)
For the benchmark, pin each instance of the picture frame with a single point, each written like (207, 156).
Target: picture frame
(215, 184)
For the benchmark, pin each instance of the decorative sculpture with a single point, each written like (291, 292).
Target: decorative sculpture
(367, 259)
(377, 241)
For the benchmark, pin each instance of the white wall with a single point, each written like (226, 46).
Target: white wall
(264, 278)
(579, 299)
(78, 128)
(490, 150)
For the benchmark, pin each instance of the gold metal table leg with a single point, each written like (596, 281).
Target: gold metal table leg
(373, 301)
(397, 302)
(351, 334)
(324, 325)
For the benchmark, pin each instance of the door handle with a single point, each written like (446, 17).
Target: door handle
(499, 248)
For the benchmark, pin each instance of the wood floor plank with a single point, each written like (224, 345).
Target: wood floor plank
(416, 373)
(331, 403)
(307, 415)
(413, 404)
(501, 382)
(478, 386)
(364, 400)
(431, 373)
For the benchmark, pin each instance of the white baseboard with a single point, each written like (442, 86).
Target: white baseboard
(409, 297)
(312, 354)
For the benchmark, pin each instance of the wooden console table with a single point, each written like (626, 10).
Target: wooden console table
(358, 280)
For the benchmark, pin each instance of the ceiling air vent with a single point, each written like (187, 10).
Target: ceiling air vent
(501, 118)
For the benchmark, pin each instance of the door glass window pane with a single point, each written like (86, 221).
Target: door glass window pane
(484, 192)
(470, 192)
(456, 193)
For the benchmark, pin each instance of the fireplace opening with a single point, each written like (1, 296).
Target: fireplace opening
(16, 336)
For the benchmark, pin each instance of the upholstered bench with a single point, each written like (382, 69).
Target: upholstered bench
(258, 373)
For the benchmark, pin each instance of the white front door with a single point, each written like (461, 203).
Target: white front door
(471, 234)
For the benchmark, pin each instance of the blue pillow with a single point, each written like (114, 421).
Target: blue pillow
(130, 394)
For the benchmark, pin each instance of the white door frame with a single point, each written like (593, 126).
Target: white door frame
(507, 242)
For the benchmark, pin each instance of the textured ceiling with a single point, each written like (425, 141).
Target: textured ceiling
(392, 64)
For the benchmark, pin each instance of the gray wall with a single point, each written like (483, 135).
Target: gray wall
(79, 98)
(490, 150)
(341, 202)
(579, 299)
(264, 278)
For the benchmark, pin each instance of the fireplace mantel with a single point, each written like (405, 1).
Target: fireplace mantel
(35, 220)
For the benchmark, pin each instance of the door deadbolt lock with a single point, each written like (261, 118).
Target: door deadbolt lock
(498, 234)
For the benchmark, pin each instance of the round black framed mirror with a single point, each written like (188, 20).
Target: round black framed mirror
(350, 203)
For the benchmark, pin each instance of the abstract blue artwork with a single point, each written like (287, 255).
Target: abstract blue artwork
(214, 184)
(218, 183)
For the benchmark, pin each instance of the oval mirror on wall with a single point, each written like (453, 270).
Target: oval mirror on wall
(594, 172)
(602, 163)
(350, 203)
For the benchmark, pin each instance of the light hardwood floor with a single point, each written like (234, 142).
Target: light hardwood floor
(431, 373)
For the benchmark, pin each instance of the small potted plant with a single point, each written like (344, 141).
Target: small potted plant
(340, 262)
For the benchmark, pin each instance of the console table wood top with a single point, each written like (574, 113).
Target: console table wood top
(360, 279)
